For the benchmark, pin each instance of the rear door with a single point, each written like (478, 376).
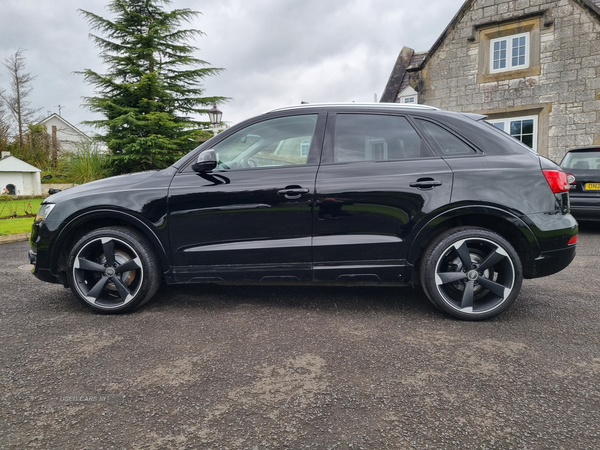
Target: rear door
(378, 178)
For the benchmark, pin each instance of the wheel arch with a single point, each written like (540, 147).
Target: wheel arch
(92, 220)
(506, 224)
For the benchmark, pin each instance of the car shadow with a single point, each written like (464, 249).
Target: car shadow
(322, 298)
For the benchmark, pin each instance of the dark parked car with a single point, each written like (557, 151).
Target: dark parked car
(381, 194)
(583, 173)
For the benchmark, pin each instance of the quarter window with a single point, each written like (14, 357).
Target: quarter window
(362, 137)
(522, 128)
(447, 143)
(509, 53)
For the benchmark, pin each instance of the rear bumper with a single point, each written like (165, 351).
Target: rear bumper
(586, 212)
(551, 262)
(585, 207)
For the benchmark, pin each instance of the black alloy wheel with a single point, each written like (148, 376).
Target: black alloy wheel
(113, 270)
(471, 273)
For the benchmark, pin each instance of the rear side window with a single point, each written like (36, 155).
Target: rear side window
(446, 142)
(368, 137)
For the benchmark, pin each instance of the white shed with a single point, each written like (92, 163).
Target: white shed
(19, 177)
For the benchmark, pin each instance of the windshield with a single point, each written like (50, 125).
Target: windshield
(582, 160)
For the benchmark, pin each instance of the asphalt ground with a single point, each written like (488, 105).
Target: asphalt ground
(223, 367)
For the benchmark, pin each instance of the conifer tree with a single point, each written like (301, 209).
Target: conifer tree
(152, 90)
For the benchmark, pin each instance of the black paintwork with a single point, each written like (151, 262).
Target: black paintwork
(352, 222)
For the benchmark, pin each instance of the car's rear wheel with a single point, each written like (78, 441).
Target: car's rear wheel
(471, 273)
(113, 270)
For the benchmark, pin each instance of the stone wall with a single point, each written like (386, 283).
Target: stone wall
(562, 86)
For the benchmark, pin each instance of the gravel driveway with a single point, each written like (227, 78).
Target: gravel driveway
(221, 367)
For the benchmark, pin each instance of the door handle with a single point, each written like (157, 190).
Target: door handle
(425, 183)
(293, 193)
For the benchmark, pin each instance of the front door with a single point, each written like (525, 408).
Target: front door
(251, 218)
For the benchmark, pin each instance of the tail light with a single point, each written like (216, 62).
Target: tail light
(573, 240)
(557, 180)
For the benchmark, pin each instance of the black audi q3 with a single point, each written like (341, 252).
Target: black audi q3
(343, 194)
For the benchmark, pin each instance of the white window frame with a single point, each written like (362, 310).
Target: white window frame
(507, 122)
(509, 52)
(376, 147)
(408, 95)
(304, 147)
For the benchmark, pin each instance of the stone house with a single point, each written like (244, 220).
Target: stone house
(531, 66)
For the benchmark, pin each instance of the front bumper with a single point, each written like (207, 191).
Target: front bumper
(42, 274)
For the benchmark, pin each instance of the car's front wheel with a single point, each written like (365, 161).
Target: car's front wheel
(471, 273)
(113, 270)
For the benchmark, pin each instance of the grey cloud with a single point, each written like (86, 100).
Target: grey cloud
(275, 52)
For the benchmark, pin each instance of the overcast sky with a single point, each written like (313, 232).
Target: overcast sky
(275, 52)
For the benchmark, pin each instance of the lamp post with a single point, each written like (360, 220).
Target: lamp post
(215, 117)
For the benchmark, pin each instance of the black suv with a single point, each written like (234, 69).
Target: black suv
(351, 194)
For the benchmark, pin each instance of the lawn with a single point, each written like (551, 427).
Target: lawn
(15, 226)
(20, 207)
(23, 209)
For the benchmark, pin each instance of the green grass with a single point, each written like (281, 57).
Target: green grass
(21, 207)
(15, 226)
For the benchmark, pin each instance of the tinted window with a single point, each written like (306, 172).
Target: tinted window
(275, 142)
(447, 143)
(362, 137)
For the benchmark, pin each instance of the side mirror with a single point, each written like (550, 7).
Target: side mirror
(207, 161)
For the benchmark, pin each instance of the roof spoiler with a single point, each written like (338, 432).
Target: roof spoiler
(474, 116)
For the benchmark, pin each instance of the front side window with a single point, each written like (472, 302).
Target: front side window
(276, 142)
(509, 53)
(363, 137)
(522, 128)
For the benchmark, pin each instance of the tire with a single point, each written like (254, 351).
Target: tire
(471, 273)
(113, 270)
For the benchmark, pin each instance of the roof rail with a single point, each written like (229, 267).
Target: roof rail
(357, 105)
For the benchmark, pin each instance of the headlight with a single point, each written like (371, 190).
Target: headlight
(44, 211)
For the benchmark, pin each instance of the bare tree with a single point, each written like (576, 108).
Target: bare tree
(20, 88)
(4, 124)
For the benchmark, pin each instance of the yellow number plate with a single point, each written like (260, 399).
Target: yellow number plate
(592, 186)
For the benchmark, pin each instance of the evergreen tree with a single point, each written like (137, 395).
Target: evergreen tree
(152, 89)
